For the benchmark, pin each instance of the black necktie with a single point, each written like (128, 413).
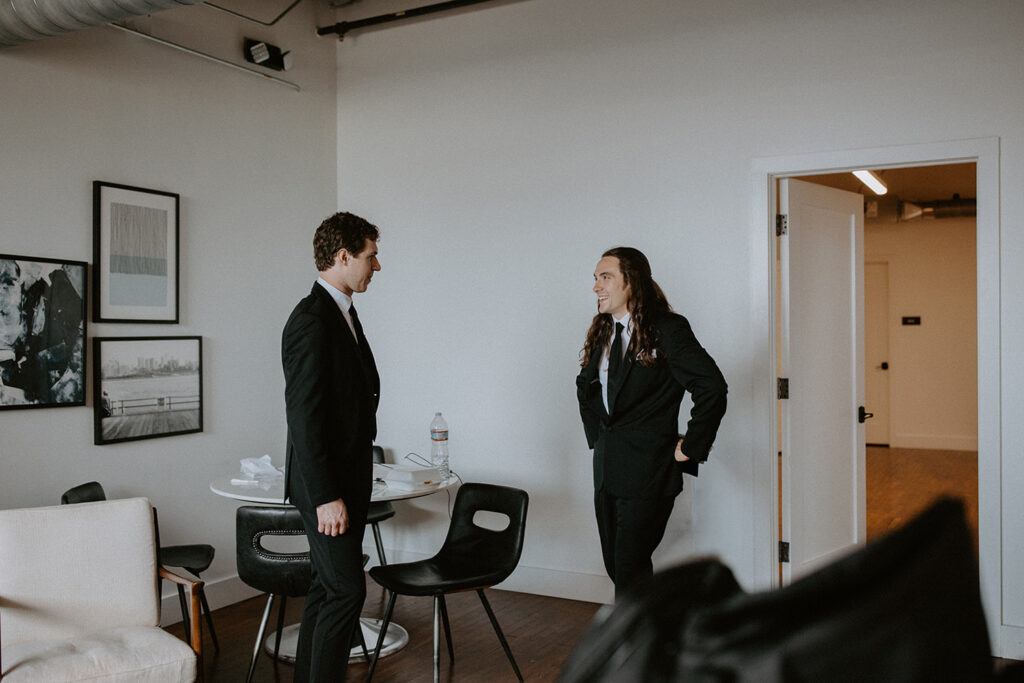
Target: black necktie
(360, 337)
(615, 354)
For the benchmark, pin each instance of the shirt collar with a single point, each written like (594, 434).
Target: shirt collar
(343, 300)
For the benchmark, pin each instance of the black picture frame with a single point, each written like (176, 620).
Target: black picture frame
(135, 254)
(42, 332)
(146, 387)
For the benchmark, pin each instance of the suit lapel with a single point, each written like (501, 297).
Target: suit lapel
(593, 379)
(343, 333)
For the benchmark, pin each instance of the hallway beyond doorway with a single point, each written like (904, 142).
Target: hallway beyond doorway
(901, 482)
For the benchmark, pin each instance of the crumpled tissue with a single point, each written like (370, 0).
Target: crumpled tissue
(258, 472)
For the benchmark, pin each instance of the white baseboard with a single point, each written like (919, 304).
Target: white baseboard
(525, 579)
(219, 593)
(939, 442)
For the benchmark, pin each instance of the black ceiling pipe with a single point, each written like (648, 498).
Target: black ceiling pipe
(343, 27)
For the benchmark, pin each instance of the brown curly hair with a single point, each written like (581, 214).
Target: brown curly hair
(341, 231)
(647, 303)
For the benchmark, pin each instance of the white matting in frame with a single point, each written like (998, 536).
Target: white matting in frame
(135, 254)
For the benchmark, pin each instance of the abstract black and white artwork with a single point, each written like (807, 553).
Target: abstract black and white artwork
(42, 332)
(147, 387)
(135, 254)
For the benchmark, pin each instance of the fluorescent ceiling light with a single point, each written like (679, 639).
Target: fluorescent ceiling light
(870, 179)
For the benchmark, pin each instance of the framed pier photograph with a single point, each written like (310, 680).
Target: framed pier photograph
(147, 387)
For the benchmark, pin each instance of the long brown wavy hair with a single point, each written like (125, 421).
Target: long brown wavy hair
(647, 303)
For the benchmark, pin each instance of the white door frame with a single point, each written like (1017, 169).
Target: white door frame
(765, 171)
(886, 328)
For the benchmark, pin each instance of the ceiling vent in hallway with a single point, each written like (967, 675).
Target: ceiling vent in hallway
(25, 20)
(892, 209)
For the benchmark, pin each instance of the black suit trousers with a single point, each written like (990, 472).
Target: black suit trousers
(630, 530)
(333, 603)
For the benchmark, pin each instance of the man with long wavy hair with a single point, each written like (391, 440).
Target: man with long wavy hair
(638, 361)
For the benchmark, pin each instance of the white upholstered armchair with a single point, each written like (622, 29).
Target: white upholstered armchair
(79, 597)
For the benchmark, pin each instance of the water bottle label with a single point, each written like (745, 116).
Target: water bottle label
(438, 435)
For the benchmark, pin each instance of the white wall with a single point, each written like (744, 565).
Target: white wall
(503, 148)
(933, 369)
(500, 150)
(255, 165)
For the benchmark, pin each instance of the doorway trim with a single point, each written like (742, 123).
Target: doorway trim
(765, 171)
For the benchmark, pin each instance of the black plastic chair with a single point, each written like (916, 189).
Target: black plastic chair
(193, 558)
(279, 574)
(472, 558)
(284, 575)
(378, 512)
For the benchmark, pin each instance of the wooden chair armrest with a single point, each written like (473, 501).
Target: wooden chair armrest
(195, 613)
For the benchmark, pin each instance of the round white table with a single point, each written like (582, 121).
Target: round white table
(271, 492)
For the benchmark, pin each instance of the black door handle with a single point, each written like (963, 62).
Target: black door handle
(863, 415)
(885, 366)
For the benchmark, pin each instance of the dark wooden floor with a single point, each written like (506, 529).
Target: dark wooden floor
(902, 482)
(540, 630)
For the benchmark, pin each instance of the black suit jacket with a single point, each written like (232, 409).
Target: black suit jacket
(331, 393)
(634, 445)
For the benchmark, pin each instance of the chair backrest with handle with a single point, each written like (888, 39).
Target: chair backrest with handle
(56, 575)
(268, 570)
(474, 545)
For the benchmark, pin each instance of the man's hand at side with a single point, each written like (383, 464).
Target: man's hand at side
(332, 518)
(680, 456)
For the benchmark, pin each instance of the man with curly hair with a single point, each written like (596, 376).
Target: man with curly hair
(331, 394)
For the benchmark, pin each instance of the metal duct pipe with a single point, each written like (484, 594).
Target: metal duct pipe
(940, 208)
(892, 209)
(25, 20)
(343, 27)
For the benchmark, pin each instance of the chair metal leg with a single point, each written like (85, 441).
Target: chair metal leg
(362, 640)
(184, 612)
(209, 617)
(447, 627)
(437, 645)
(259, 638)
(380, 638)
(379, 542)
(280, 626)
(497, 629)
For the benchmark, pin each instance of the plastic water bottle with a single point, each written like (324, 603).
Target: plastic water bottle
(439, 445)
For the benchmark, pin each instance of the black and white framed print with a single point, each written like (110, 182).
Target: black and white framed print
(42, 332)
(135, 254)
(147, 387)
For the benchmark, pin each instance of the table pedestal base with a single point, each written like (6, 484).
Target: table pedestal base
(395, 639)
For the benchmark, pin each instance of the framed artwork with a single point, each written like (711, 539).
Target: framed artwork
(135, 254)
(42, 332)
(146, 387)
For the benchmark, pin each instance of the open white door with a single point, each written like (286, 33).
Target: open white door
(822, 356)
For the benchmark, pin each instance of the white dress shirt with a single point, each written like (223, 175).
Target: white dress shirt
(344, 302)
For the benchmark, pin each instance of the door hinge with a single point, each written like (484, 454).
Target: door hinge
(783, 387)
(781, 224)
(783, 551)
